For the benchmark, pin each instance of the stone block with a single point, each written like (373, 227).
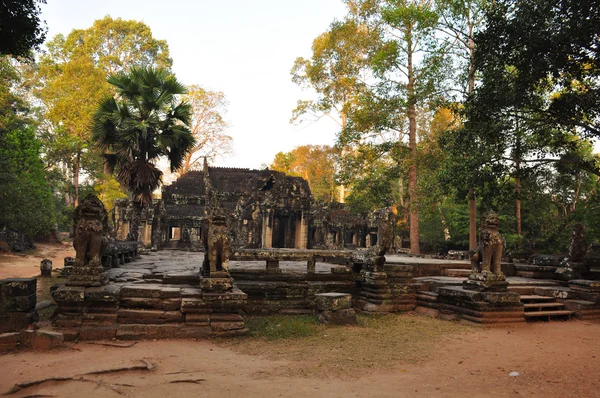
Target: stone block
(182, 278)
(107, 293)
(140, 332)
(41, 339)
(341, 317)
(585, 285)
(333, 301)
(216, 284)
(195, 306)
(226, 326)
(226, 318)
(170, 292)
(501, 297)
(191, 292)
(18, 303)
(69, 294)
(16, 321)
(97, 332)
(12, 287)
(142, 291)
(197, 318)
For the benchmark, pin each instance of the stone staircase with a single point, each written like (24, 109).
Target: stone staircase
(544, 308)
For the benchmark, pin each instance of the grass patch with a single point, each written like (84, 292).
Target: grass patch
(282, 327)
(377, 342)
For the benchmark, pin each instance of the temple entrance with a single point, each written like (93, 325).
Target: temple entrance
(284, 230)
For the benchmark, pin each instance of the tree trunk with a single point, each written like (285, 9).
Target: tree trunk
(134, 222)
(472, 199)
(518, 207)
(342, 187)
(76, 167)
(412, 173)
(472, 220)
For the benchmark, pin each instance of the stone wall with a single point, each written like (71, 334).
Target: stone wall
(17, 304)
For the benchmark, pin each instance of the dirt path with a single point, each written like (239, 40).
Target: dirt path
(560, 359)
(28, 265)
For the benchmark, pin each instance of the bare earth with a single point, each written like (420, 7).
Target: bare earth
(560, 359)
(28, 265)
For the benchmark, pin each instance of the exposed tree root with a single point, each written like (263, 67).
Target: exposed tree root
(194, 381)
(27, 384)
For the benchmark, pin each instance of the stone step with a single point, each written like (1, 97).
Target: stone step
(535, 298)
(538, 314)
(542, 305)
(460, 272)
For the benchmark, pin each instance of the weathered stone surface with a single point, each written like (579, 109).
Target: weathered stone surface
(142, 290)
(216, 284)
(194, 305)
(97, 332)
(341, 317)
(12, 287)
(585, 285)
(40, 339)
(333, 301)
(69, 294)
(15, 321)
(108, 293)
(18, 303)
(182, 278)
(226, 326)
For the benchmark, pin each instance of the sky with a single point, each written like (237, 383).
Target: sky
(243, 48)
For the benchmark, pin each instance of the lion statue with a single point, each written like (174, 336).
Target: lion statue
(90, 223)
(487, 257)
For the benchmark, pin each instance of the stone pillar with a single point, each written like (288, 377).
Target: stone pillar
(267, 229)
(311, 266)
(303, 232)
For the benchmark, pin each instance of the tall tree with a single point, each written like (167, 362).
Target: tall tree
(207, 125)
(71, 80)
(315, 163)
(21, 29)
(461, 20)
(547, 52)
(409, 64)
(336, 72)
(143, 123)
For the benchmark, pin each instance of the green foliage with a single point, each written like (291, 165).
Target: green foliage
(108, 190)
(551, 45)
(21, 29)
(71, 81)
(145, 121)
(26, 201)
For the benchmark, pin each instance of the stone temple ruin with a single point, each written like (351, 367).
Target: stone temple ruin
(236, 243)
(265, 208)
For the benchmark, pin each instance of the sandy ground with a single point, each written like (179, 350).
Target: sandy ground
(559, 359)
(28, 265)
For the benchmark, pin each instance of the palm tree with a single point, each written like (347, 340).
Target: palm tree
(142, 123)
